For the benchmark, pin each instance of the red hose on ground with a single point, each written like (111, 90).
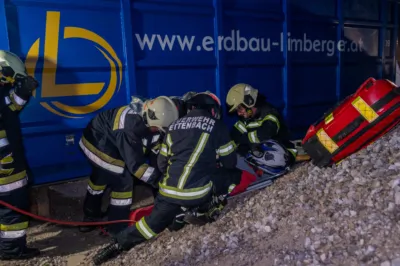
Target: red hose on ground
(41, 218)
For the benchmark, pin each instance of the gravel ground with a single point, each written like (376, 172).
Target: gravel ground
(344, 215)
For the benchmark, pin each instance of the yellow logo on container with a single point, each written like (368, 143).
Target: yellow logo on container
(50, 89)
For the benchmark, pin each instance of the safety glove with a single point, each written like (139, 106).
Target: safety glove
(24, 86)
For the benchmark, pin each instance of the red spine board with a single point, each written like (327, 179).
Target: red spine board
(357, 121)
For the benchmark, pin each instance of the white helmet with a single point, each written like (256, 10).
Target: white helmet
(271, 157)
(160, 112)
(11, 66)
(241, 94)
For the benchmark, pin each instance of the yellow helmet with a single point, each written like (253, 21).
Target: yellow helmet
(160, 112)
(11, 66)
(241, 94)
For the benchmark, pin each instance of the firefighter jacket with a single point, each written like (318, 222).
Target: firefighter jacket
(188, 157)
(13, 165)
(119, 140)
(265, 125)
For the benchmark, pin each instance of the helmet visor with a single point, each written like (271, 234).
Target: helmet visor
(6, 73)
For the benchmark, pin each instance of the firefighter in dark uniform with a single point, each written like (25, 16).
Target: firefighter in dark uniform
(180, 103)
(191, 178)
(259, 121)
(116, 143)
(16, 88)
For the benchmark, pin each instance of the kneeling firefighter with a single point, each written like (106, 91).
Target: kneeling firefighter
(16, 88)
(115, 142)
(155, 146)
(260, 134)
(191, 177)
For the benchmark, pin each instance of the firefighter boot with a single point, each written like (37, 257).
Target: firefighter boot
(109, 252)
(25, 254)
(206, 213)
(88, 228)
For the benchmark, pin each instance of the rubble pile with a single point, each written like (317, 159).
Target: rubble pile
(347, 214)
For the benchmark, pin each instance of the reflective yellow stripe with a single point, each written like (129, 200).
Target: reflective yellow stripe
(169, 143)
(7, 159)
(325, 140)
(164, 150)
(118, 118)
(15, 102)
(193, 159)
(13, 107)
(6, 171)
(140, 171)
(96, 187)
(293, 152)
(329, 118)
(86, 145)
(273, 119)
(169, 153)
(156, 148)
(121, 198)
(240, 127)
(231, 188)
(13, 178)
(226, 149)
(14, 227)
(144, 229)
(253, 137)
(144, 172)
(121, 195)
(364, 109)
(3, 134)
(185, 194)
(259, 123)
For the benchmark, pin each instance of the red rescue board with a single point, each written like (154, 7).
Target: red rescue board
(354, 123)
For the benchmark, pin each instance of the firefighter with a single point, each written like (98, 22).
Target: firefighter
(180, 103)
(16, 88)
(116, 142)
(260, 131)
(191, 178)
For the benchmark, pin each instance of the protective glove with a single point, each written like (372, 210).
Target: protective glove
(24, 86)
(218, 203)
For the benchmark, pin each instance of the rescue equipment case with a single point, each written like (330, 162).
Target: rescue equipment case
(354, 123)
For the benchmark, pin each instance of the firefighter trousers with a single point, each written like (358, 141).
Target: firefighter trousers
(13, 225)
(162, 215)
(165, 212)
(121, 186)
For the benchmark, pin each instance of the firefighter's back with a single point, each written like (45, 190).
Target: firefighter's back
(193, 150)
(101, 130)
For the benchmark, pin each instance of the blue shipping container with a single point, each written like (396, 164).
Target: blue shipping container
(95, 54)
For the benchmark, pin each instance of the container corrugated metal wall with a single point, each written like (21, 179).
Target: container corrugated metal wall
(95, 54)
